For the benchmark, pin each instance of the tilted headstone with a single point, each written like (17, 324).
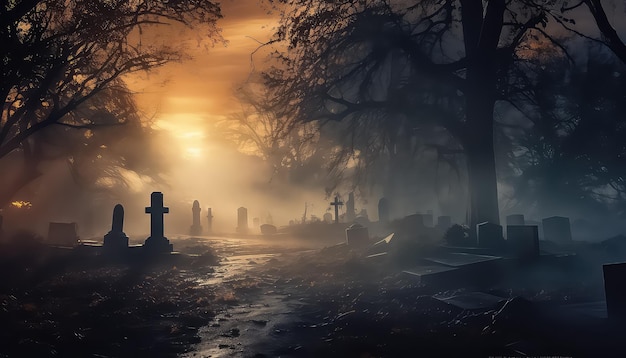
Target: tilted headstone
(515, 219)
(615, 291)
(336, 204)
(328, 218)
(350, 213)
(116, 239)
(523, 241)
(383, 210)
(557, 229)
(490, 235)
(209, 217)
(242, 220)
(157, 242)
(357, 235)
(444, 222)
(63, 234)
(196, 228)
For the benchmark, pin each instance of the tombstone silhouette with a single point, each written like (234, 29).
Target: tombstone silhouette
(157, 242)
(196, 228)
(116, 239)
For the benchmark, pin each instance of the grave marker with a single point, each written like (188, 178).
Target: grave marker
(336, 204)
(615, 291)
(328, 218)
(357, 235)
(383, 210)
(242, 220)
(523, 241)
(350, 213)
(557, 229)
(116, 239)
(196, 228)
(490, 235)
(63, 234)
(209, 217)
(157, 242)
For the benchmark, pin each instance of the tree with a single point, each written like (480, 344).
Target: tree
(63, 64)
(432, 63)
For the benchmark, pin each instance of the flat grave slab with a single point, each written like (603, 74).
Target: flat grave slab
(431, 273)
(472, 300)
(459, 259)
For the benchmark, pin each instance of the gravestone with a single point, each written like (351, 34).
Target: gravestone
(63, 234)
(242, 220)
(350, 213)
(116, 239)
(523, 241)
(383, 210)
(490, 235)
(267, 229)
(557, 229)
(209, 217)
(428, 218)
(196, 228)
(444, 222)
(414, 221)
(157, 242)
(357, 235)
(515, 219)
(328, 218)
(615, 291)
(336, 204)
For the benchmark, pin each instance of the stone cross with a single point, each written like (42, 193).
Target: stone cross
(196, 228)
(156, 210)
(336, 204)
(116, 238)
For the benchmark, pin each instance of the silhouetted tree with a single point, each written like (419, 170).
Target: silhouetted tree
(62, 64)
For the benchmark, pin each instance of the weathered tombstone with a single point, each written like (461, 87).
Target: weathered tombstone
(357, 235)
(444, 222)
(490, 235)
(116, 239)
(557, 229)
(242, 220)
(428, 218)
(515, 219)
(196, 228)
(383, 210)
(209, 217)
(256, 222)
(350, 213)
(63, 234)
(615, 291)
(336, 204)
(328, 218)
(267, 229)
(157, 242)
(523, 241)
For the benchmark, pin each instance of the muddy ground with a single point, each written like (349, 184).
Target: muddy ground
(255, 298)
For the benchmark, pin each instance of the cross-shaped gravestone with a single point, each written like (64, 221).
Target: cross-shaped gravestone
(336, 204)
(157, 242)
(116, 239)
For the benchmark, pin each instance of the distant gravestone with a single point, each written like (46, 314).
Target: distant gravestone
(383, 210)
(523, 241)
(515, 219)
(242, 220)
(256, 222)
(357, 235)
(414, 221)
(328, 218)
(336, 204)
(269, 219)
(116, 239)
(196, 228)
(157, 242)
(557, 229)
(490, 235)
(615, 291)
(444, 222)
(209, 217)
(267, 229)
(428, 218)
(63, 234)
(350, 213)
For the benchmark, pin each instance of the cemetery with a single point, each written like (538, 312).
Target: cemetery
(498, 292)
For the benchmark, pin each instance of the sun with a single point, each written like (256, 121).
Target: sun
(188, 131)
